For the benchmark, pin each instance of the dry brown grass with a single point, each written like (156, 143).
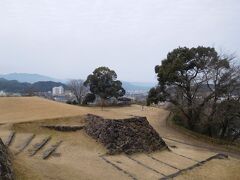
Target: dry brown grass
(80, 154)
(22, 109)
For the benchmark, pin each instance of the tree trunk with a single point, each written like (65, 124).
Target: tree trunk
(79, 99)
(191, 120)
(209, 131)
(224, 129)
(102, 103)
(190, 114)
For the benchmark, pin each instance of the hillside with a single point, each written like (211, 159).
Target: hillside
(33, 108)
(80, 157)
(29, 78)
(136, 86)
(14, 86)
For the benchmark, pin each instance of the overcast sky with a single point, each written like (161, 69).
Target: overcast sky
(70, 38)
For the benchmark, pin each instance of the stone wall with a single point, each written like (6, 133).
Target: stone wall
(124, 135)
(6, 171)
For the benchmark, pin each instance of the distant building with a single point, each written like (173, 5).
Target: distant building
(58, 91)
(68, 93)
(2, 93)
(60, 98)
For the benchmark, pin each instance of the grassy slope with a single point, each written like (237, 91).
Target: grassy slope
(80, 154)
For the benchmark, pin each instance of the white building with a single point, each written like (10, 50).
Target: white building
(2, 93)
(58, 91)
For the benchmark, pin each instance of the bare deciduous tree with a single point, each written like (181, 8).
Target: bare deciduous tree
(78, 89)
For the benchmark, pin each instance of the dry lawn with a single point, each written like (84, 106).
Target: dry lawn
(80, 157)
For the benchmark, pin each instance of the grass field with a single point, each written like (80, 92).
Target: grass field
(81, 157)
(23, 109)
(29, 109)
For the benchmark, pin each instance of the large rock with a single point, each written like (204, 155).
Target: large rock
(6, 172)
(124, 135)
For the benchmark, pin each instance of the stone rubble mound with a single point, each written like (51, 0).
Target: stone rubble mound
(128, 136)
(6, 171)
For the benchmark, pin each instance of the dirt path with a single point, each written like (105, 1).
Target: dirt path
(170, 134)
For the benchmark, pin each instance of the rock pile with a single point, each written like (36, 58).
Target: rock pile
(6, 172)
(124, 135)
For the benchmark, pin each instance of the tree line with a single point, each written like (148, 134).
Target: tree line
(203, 88)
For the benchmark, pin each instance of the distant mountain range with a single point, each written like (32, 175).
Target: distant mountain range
(29, 78)
(129, 86)
(14, 86)
(33, 78)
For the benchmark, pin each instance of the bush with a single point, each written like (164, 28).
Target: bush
(89, 98)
